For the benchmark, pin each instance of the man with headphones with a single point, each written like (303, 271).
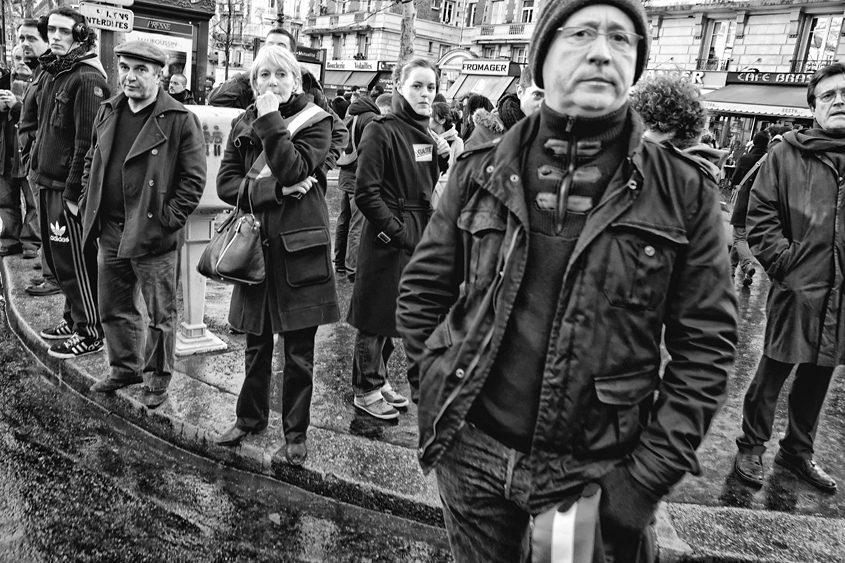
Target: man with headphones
(75, 86)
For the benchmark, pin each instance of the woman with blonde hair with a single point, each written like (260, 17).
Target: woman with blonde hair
(288, 197)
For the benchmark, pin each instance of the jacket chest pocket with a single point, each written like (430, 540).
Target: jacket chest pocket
(619, 408)
(306, 256)
(484, 231)
(639, 266)
(57, 117)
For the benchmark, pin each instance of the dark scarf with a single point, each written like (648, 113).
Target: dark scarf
(402, 109)
(817, 139)
(295, 103)
(56, 65)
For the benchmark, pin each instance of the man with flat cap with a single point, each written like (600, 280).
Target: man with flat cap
(557, 262)
(144, 175)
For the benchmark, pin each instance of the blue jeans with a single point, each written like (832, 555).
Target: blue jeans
(485, 488)
(740, 253)
(369, 362)
(349, 225)
(123, 282)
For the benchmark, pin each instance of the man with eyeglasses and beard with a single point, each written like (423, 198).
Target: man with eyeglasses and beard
(794, 229)
(534, 308)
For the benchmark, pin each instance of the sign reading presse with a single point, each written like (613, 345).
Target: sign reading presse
(101, 16)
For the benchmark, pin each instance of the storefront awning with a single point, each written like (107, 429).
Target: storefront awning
(491, 87)
(452, 92)
(336, 77)
(361, 79)
(779, 101)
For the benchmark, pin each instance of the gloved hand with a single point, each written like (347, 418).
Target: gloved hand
(626, 506)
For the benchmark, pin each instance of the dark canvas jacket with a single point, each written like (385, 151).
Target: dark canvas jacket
(795, 222)
(28, 124)
(745, 163)
(299, 290)
(164, 175)
(651, 257)
(67, 106)
(366, 110)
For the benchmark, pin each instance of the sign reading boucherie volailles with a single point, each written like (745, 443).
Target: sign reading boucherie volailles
(489, 67)
(101, 16)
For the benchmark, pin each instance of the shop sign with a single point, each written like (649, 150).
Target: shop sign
(758, 109)
(778, 78)
(694, 76)
(489, 67)
(386, 66)
(309, 55)
(352, 65)
(163, 26)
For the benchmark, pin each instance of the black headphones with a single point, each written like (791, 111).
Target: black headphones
(80, 32)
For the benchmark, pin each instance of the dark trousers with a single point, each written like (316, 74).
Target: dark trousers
(75, 267)
(46, 272)
(341, 233)
(123, 282)
(369, 362)
(20, 226)
(806, 398)
(253, 407)
(484, 491)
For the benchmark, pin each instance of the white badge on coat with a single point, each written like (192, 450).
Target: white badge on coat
(423, 153)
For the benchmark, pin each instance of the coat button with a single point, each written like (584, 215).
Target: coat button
(155, 151)
(459, 373)
(514, 178)
(149, 215)
(490, 169)
(649, 251)
(152, 183)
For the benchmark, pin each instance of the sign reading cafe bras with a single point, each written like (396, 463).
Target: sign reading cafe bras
(776, 78)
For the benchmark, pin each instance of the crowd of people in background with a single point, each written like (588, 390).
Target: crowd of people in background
(533, 252)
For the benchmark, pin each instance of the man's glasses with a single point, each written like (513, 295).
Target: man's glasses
(830, 95)
(621, 41)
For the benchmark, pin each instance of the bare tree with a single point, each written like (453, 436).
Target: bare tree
(228, 30)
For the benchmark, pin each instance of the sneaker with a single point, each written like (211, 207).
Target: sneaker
(151, 398)
(749, 275)
(393, 398)
(29, 254)
(46, 288)
(378, 408)
(76, 346)
(9, 250)
(59, 332)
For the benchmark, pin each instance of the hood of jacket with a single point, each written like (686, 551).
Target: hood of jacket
(94, 62)
(709, 159)
(363, 104)
(483, 118)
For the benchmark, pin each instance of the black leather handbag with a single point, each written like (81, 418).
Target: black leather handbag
(236, 252)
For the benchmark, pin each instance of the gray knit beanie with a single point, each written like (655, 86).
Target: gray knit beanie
(557, 12)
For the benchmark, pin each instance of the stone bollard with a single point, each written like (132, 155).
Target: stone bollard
(193, 336)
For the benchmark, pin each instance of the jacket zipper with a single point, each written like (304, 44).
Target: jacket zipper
(484, 343)
(563, 189)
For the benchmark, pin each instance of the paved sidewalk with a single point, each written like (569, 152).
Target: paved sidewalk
(372, 463)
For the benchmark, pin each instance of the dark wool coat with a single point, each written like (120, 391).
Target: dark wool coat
(397, 160)
(299, 290)
(164, 175)
(795, 229)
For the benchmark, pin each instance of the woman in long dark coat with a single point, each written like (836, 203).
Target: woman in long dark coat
(399, 161)
(298, 293)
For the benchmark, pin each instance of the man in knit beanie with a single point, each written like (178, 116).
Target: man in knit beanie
(533, 311)
(67, 107)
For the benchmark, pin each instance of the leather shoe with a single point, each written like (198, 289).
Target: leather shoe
(151, 398)
(110, 384)
(749, 468)
(46, 288)
(296, 453)
(807, 470)
(235, 435)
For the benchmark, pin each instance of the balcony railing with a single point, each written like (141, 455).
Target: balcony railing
(487, 30)
(516, 29)
(713, 64)
(333, 20)
(810, 65)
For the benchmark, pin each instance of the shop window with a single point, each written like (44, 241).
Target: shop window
(527, 11)
(819, 42)
(448, 14)
(471, 10)
(718, 45)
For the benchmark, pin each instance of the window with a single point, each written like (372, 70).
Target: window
(272, 3)
(527, 11)
(431, 46)
(471, 9)
(520, 55)
(444, 49)
(363, 45)
(497, 14)
(435, 4)
(490, 53)
(448, 13)
(316, 42)
(337, 46)
(820, 40)
(718, 45)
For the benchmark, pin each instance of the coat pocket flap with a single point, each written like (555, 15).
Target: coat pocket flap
(296, 241)
(440, 338)
(670, 235)
(627, 388)
(475, 221)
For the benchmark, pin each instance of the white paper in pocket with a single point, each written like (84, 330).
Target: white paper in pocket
(423, 153)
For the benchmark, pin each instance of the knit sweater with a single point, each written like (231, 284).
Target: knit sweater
(67, 106)
(565, 172)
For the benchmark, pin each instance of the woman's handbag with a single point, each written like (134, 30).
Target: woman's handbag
(235, 253)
